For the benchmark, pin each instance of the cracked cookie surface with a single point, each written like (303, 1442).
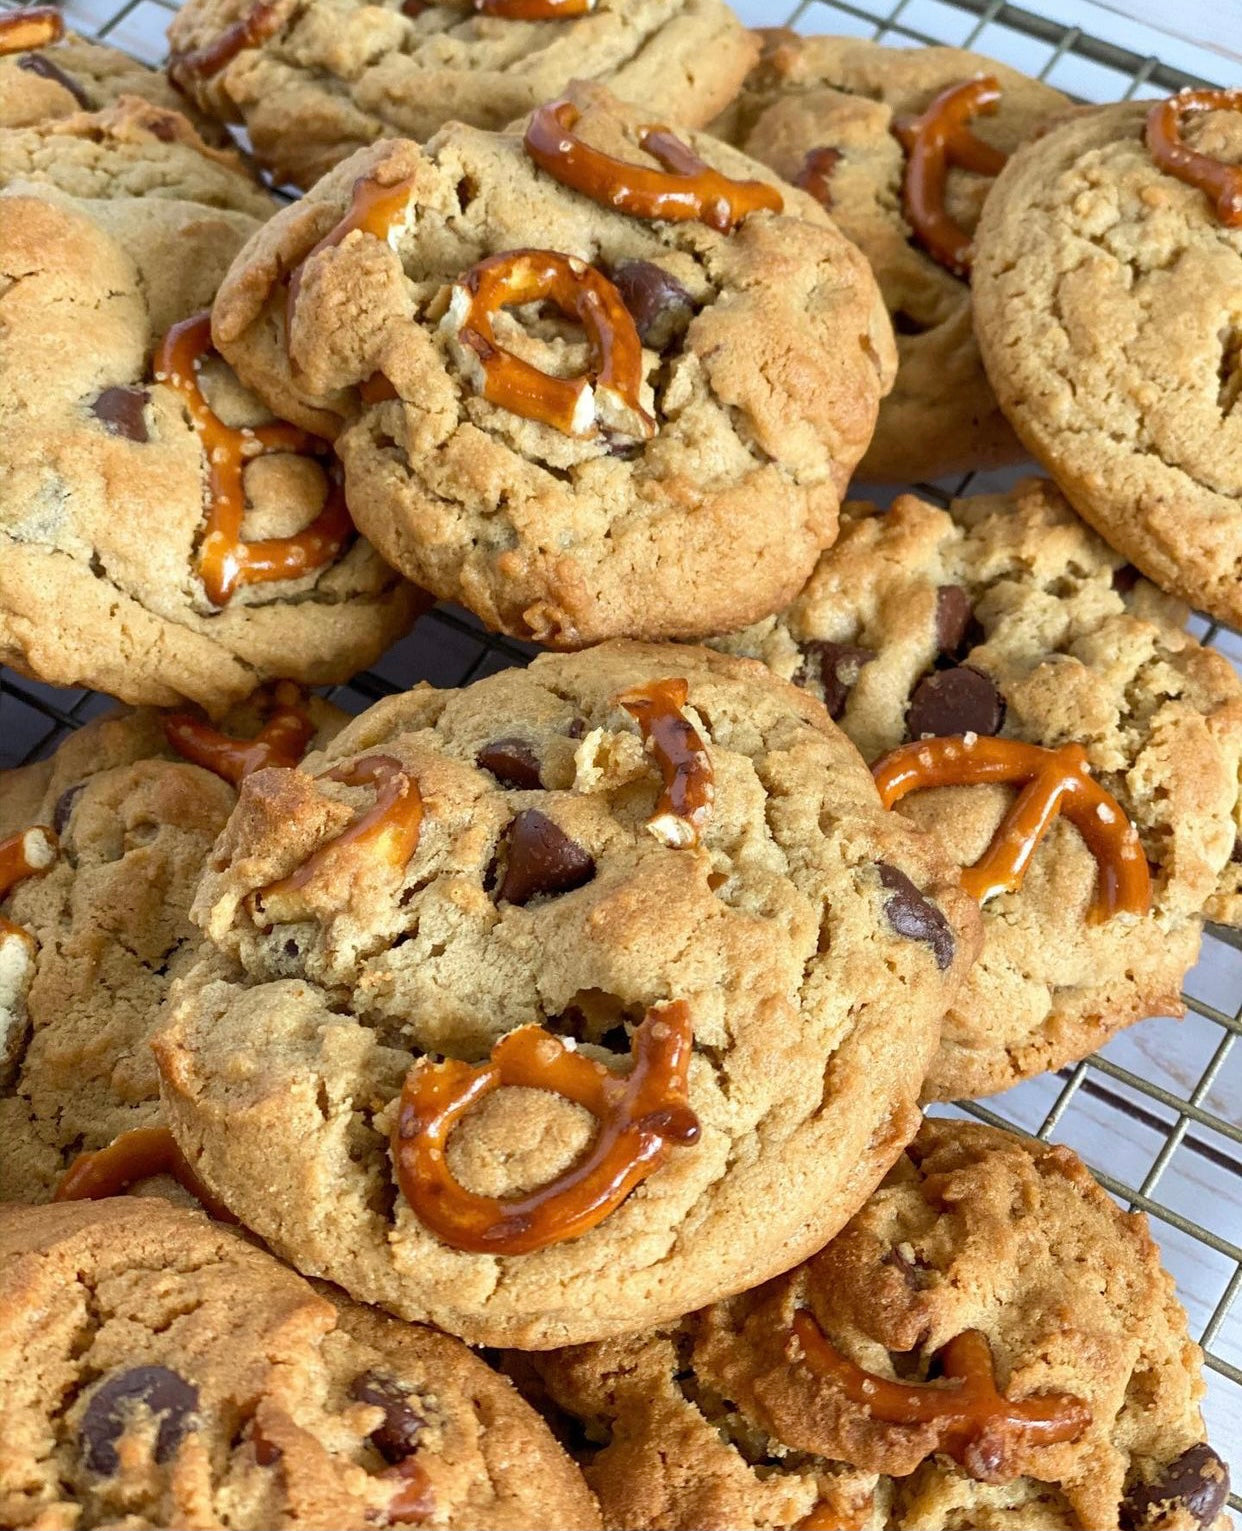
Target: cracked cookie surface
(813, 1019)
(720, 1422)
(1063, 644)
(335, 75)
(1107, 310)
(764, 391)
(160, 1371)
(844, 95)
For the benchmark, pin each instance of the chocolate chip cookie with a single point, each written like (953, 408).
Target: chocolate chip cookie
(681, 467)
(1106, 306)
(1005, 616)
(849, 120)
(160, 536)
(158, 1370)
(91, 941)
(314, 81)
(683, 972)
(991, 1342)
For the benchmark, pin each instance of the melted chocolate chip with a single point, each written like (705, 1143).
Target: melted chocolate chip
(836, 666)
(962, 700)
(63, 810)
(542, 859)
(1125, 578)
(914, 1272)
(661, 306)
(512, 762)
(1196, 1483)
(40, 64)
(120, 411)
(915, 917)
(953, 614)
(396, 1437)
(118, 1401)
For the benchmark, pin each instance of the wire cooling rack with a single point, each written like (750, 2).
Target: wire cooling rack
(1158, 1113)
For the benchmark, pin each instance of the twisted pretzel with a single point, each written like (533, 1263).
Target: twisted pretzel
(535, 10)
(255, 27)
(1218, 181)
(23, 31)
(571, 405)
(225, 561)
(640, 1115)
(975, 1424)
(689, 783)
(936, 139)
(281, 741)
(136, 1155)
(1054, 781)
(24, 855)
(686, 189)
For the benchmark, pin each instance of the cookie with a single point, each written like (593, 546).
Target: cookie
(106, 926)
(733, 383)
(527, 892)
(825, 1398)
(1006, 616)
(827, 113)
(122, 566)
(159, 1371)
(1106, 311)
(314, 82)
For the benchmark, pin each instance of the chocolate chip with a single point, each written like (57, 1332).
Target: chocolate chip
(962, 700)
(836, 667)
(397, 1436)
(577, 728)
(1195, 1484)
(412, 8)
(63, 810)
(915, 917)
(512, 762)
(1125, 578)
(953, 614)
(661, 306)
(40, 64)
(161, 1392)
(914, 1271)
(542, 859)
(120, 411)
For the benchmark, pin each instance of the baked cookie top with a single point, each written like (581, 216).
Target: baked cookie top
(105, 929)
(160, 1371)
(730, 908)
(1005, 615)
(726, 388)
(313, 82)
(829, 113)
(981, 1257)
(1106, 310)
(131, 467)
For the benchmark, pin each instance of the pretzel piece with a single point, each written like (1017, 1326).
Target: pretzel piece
(24, 855)
(373, 209)
(816, 173)
(687, 189)
(281, 741)
(36, 27)
(640, 1116)
(1220, 182)
(259, 23)
(535, 10)
(689, 783)
(136, 1155)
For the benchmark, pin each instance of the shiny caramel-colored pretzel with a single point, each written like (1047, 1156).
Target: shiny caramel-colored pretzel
(1220, 182)
(570, 404)
(136, 1155)
(1053, 781)
(225, 561)
(816, 173)
(640, 1115)
(412, 1497)
(23, 31)
(281, 741)
(686, 189)
(975, 1423)
(938, 138)
(689, 783)
(535, 10)
(21, 856)
(388, 832)
(259, 23)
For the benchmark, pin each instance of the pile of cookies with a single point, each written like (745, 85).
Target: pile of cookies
(586, 1013)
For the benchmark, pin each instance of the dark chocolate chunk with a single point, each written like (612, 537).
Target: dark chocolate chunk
(63, 810)
(914, 1272)
(660, 305)
(120, 1400)
(836, 666)
(962, 700)
(542, 859)
(915, 917)
(1194, 1484)
(397, 1436)
(953, 614)
(120, 411)
(512, 762)
(40, 64)
(412, 8)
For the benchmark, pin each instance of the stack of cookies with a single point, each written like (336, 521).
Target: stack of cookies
(585, 1013)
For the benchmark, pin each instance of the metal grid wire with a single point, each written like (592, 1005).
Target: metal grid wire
(1158, 1114)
